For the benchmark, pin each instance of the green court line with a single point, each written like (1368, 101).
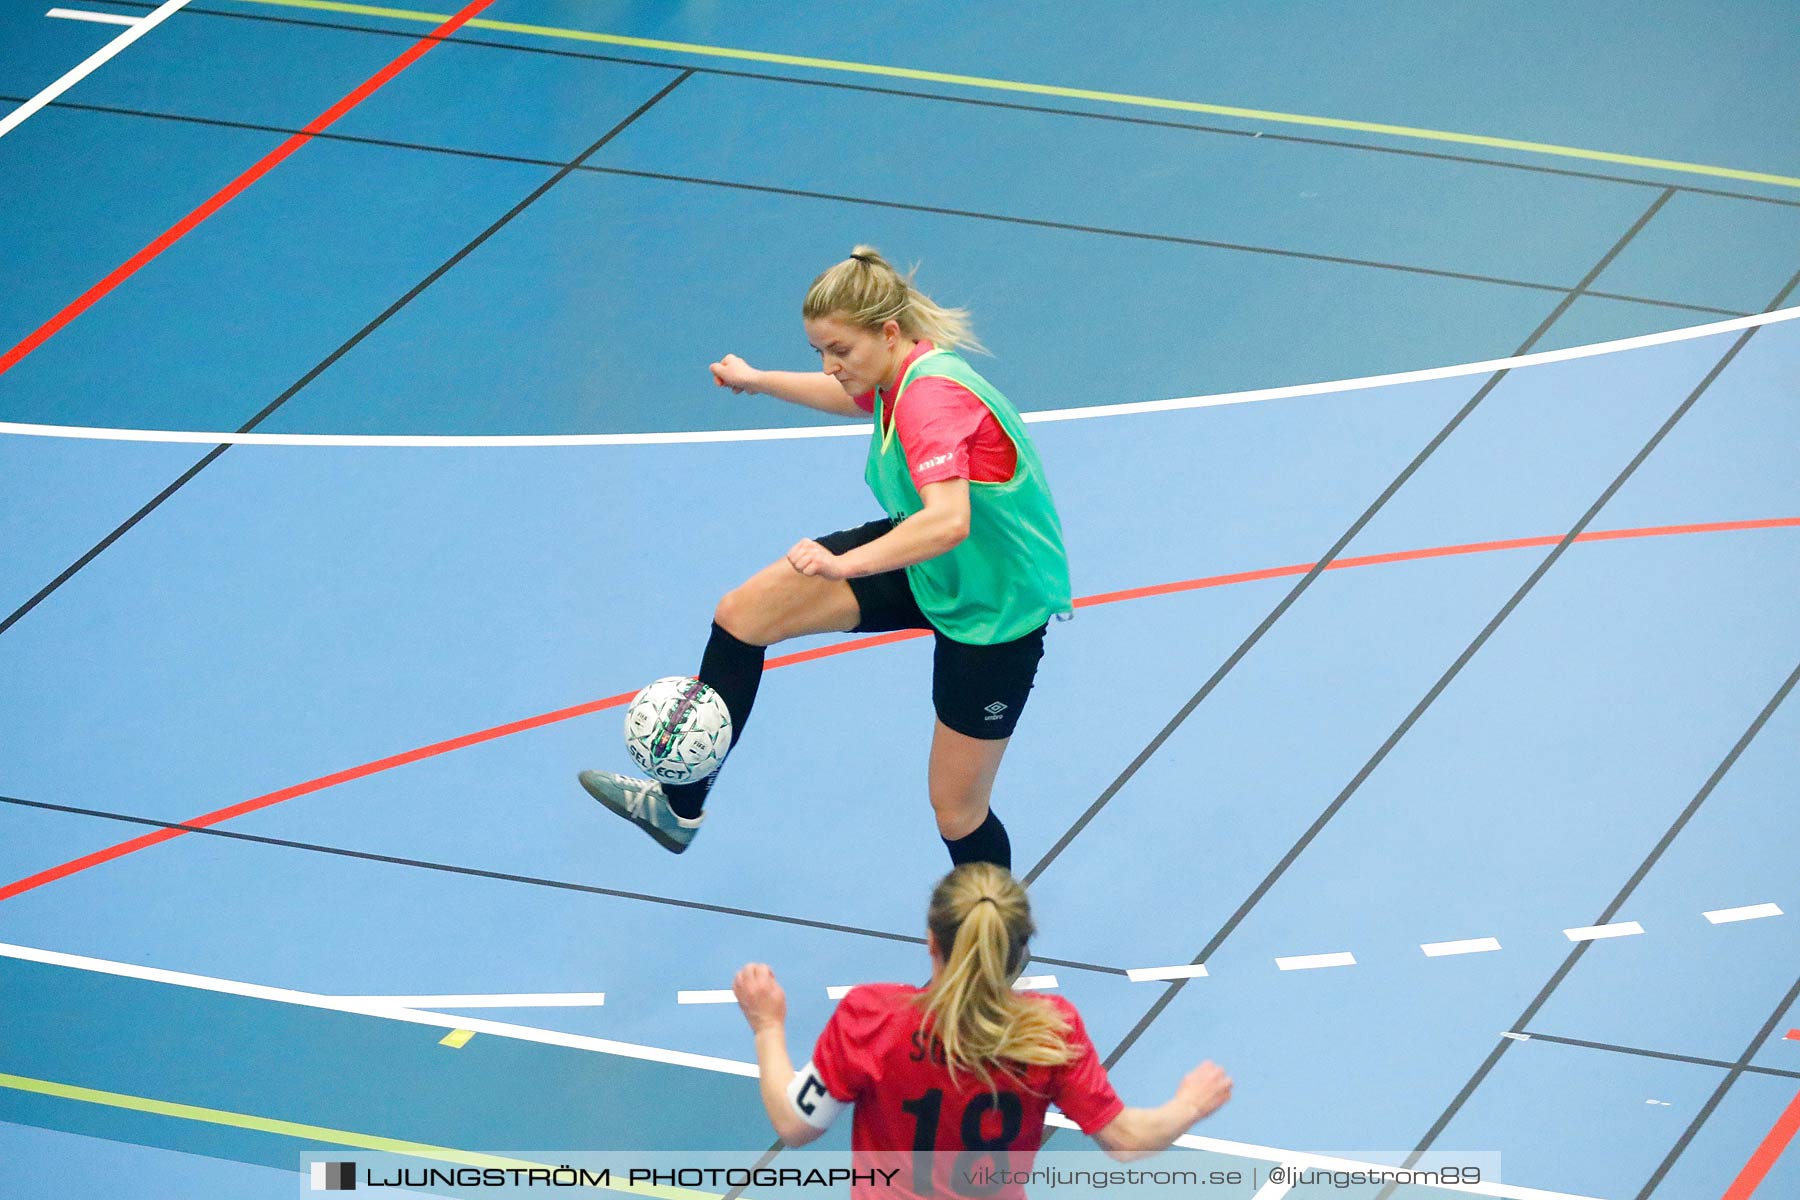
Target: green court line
(1046, 89)
(317, 1134)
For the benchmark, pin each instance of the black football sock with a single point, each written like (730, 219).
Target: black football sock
(988, 843)
(733, 669)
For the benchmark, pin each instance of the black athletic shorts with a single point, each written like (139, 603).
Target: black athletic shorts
(979, 691)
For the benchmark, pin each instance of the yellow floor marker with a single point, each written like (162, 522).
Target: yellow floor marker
(456, 1039)
(315, 1134)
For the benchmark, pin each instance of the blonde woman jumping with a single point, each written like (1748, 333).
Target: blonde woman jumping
(963, 1064)
(970, 547)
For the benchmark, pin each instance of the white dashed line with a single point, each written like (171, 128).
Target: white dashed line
(1750, 912)
(1466, 946)
(1594, 933)
(720, 996)
(1312, 962)
(1154, 974)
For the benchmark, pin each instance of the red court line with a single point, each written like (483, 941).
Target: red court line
(230, 191)
(1371, 560)
(1751, 1177)
(110, 853)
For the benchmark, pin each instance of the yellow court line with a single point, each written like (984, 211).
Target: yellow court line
(313, 1133)
(1047, 89)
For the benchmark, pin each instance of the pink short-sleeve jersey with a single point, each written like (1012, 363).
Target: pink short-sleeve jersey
(946, 431)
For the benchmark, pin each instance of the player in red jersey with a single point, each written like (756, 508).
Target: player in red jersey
(962, 1064)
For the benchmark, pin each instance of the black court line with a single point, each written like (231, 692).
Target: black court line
(325, 363)
(1137, 235)
(1436, 689)
(1712, 1102)
(510, 877)
(1681, 822)
(285, 131)
(975, 102)
(969, 214)
(1306, 581)
(1611, 910)
(1662, 1054)
(768, 1156)
(1287, 860)
(1699, 308)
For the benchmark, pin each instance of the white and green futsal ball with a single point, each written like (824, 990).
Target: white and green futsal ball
(678, 729)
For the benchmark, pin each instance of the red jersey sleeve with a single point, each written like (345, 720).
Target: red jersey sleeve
(938, 421)
(844, 1054)
(866, 402)
(1081, 1089)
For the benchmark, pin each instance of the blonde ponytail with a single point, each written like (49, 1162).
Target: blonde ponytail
(981, 921)
(866, 290)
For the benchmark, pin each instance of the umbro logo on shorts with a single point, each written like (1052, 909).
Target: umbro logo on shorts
(994, 710)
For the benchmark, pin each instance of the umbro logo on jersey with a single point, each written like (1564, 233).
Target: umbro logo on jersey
(939, 461)
(994, 710)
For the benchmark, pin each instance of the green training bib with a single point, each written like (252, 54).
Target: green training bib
(1010, 574)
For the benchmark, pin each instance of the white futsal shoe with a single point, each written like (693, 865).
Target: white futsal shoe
(642, 802)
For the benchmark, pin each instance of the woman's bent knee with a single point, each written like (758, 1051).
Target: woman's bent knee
(745, 615)
(778, 603)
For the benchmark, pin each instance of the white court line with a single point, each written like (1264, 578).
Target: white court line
(1592, 933)
(1089, 412)
(99, 18)
(726, 1066)
(390, 1012)
(715, 996)
(492, 1000)
(89, 65)
(1312, 962)
(1465, 946)
(1153, 974)
(1750, 912)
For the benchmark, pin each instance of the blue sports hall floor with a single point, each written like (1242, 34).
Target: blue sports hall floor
(1417, 389)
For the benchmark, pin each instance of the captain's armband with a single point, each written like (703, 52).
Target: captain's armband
(812, 1102)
